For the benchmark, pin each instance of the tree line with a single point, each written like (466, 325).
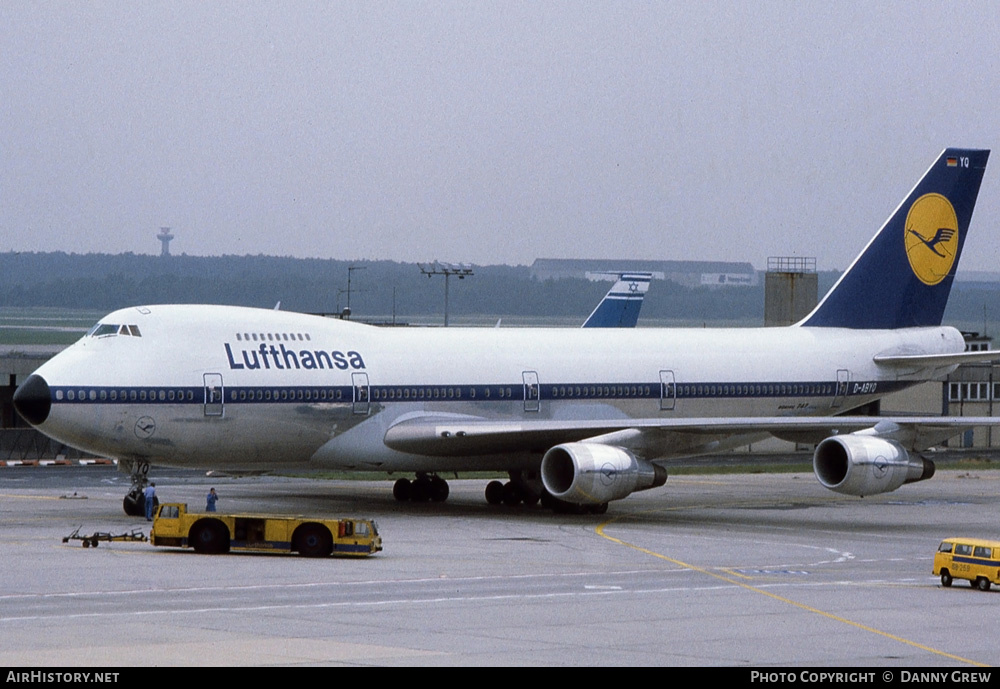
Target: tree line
(378, 288)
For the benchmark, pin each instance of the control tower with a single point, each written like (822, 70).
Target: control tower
(165, 236)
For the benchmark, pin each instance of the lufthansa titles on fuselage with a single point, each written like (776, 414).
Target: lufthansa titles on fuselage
(280, 357)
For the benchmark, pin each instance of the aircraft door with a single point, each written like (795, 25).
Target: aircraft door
(668, 391)
(840, 394)
(532, 393)
(361, 393)
(214, 394)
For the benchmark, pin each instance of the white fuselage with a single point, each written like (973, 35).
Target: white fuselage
(235, 388)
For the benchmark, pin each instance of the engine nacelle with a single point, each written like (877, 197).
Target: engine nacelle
(592, 474)
(857, 464)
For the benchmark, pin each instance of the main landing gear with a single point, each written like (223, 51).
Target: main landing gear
(134, 503)
(424, 488)
(526, 488)
(519, 489)
(523, 488)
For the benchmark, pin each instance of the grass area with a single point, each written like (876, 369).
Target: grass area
(725, 467)
(716, 469)
(379, 476)
(42, 326)
(15, 336)
(969, 464)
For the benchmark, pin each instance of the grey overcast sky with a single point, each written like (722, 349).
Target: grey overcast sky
(488, 132)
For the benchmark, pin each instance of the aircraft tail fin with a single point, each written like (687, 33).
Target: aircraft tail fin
(621, 305)
(903, 277)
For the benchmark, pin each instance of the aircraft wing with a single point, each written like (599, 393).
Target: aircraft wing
(657, 438)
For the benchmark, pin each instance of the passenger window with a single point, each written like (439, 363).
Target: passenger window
(963, 549)
(980, 551)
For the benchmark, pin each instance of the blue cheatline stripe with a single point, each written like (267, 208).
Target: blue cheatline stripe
(977, 561)
(254, 394)
(351, 548)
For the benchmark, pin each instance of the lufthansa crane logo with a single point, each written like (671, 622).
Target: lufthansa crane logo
(931, 238)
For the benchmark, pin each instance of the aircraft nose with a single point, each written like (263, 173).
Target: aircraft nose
(33, 400)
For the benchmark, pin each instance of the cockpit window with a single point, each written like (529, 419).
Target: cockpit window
(102, 329)
(108, 329)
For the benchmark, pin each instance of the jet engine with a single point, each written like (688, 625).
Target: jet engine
(592, 473)
(862, 465)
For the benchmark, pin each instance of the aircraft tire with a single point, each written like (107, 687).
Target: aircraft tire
(494, 492)
(946, 578)
(420, 490)
(131, 506)
(313, 540)
(439, 489)
(511, 494)
(402, 490)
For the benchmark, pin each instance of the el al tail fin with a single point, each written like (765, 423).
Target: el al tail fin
(621, 305)
(903, 277)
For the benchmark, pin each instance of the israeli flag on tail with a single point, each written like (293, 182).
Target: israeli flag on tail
(621, 305)
(903, 277)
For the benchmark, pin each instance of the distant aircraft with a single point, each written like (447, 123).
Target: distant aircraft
(577, 417)
(621, 305)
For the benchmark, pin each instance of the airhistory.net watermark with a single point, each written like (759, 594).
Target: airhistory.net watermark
(48, 677)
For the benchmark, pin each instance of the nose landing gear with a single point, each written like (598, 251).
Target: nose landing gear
(134, 502)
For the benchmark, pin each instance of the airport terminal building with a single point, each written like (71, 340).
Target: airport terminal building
(687, 273)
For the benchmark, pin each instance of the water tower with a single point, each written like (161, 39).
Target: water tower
(165, 236)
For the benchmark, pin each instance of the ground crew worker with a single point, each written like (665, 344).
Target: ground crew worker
(149, 495)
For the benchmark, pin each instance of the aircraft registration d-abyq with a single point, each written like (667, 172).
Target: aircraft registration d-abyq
(578, 417)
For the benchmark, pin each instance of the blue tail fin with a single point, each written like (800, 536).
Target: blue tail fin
(903, 277)
(620, 306)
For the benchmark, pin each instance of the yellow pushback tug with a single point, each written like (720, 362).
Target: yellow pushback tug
(212, 532)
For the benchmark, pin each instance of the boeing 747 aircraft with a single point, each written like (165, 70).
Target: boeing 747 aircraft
(580, 416)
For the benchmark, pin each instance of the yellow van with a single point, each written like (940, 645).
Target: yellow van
(968, 558)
